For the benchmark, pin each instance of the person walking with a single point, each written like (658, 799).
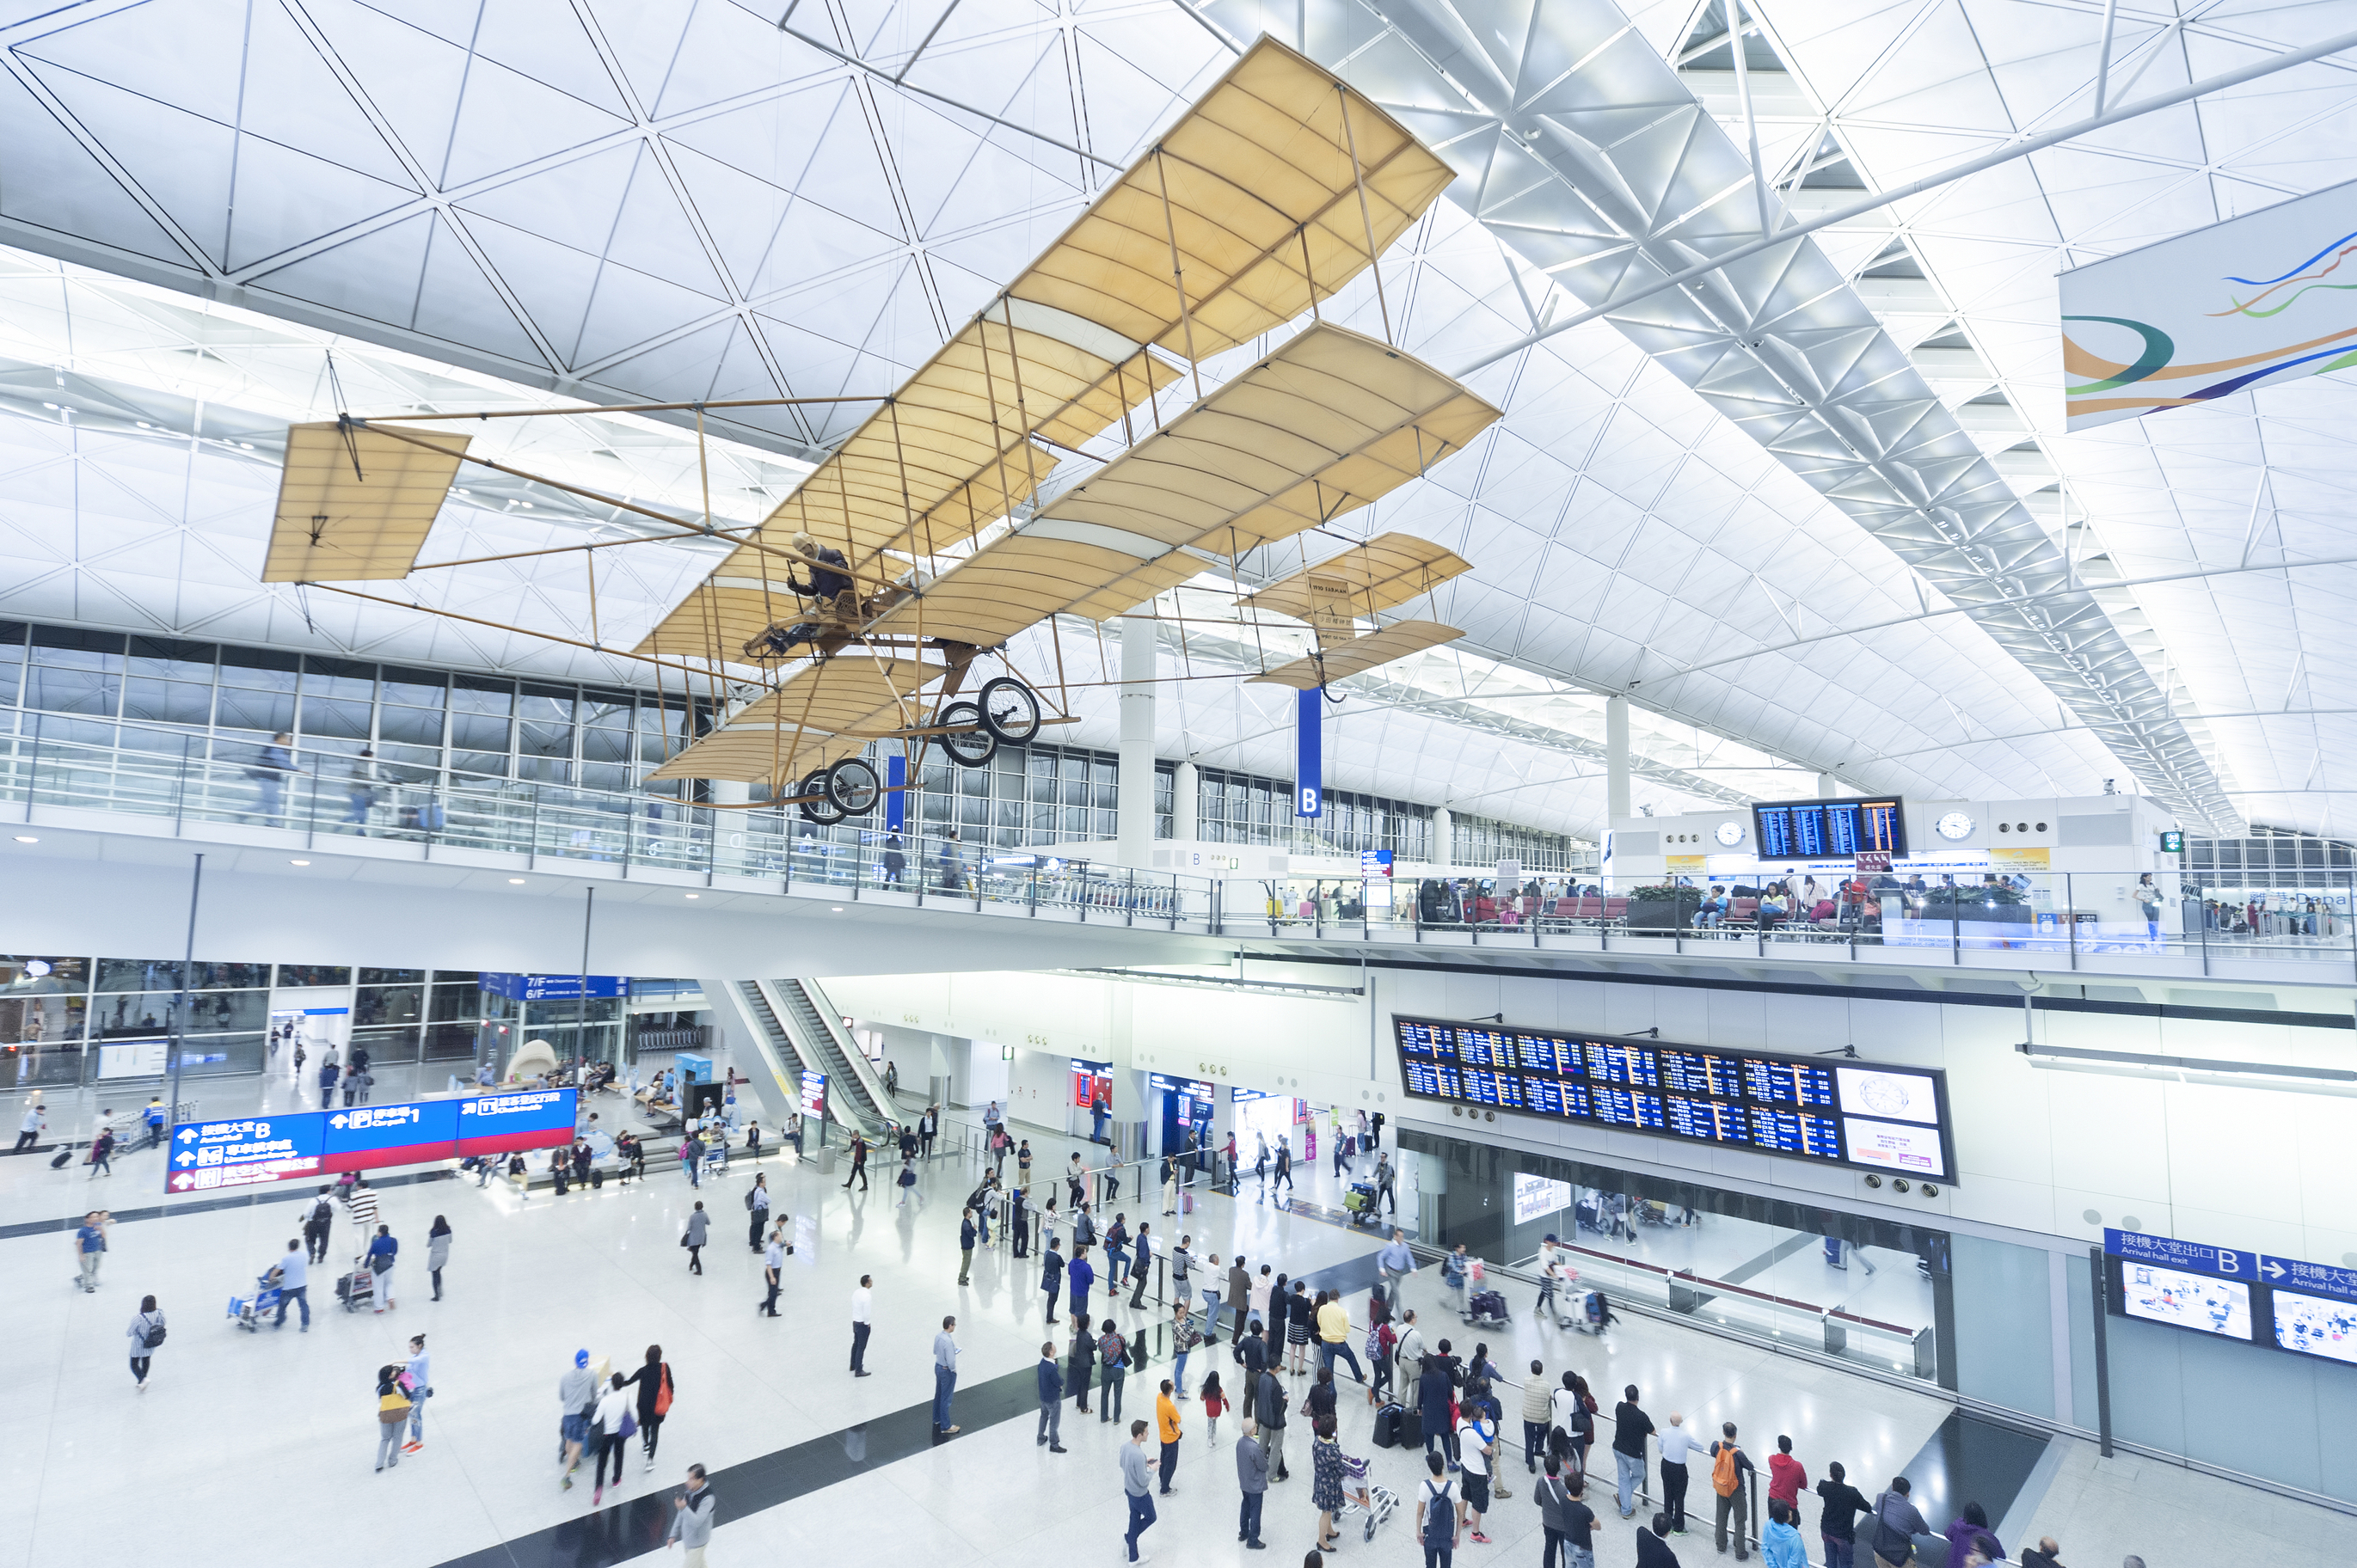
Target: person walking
(1051, 1400)
(328, 1073)
(966, 1236)
(101, 1151)
(1436, 1515)
(656, 1391)
(691, 1159)
(1239, 1301)
(1728, 1465)
(89, 1247)
(1837, 1517)
(382, 1254)
(858, 1164)
(773, 1270)
(698, 1232)
(361, 1205)
(28, 1131)
(1284, 1164)
(905, 1181)
(1630, 1427)
(1165, 1419)
(420, 1375)
(1113, 1354)
(1677, 1447)
(1267, 1409)
(1136, 1486)
(945, 1355)
(577, 1396)
(757, 1210)
(1396, 1262)
(929, 1127)
(610, 1427)
(691, 1519)
(863, 1304)
(316, 1225)
(145, 1333)
(1252, 1479)
(392, 1415)
(292, 1270)
(438, 1252)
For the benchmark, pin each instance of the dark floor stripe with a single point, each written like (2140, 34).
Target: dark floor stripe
(1969, 1460)
(634, 1527)
(285, 1192)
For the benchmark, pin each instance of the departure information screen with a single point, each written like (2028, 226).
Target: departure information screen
(1835, 1111)
(1829, 829)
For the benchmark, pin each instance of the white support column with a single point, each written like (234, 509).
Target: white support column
(728, 827)
(1444, 827)
(1616, 758)
(1186, 796)
(1827, 786)
(1133, 798)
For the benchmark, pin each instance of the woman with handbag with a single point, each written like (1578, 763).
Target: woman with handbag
(655, 1392)
(699, 1229)
(392, 1415)
(614, 1424)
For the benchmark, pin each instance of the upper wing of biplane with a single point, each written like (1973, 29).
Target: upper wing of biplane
(1247, 212)
(1360, 654)
(1330, 421)
(356, 502)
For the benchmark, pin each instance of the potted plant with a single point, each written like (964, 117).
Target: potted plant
(1662, 906)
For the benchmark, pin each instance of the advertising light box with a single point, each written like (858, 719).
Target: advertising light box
(498, 1123)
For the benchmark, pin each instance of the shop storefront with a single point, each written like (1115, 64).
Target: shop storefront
(1182, 1109)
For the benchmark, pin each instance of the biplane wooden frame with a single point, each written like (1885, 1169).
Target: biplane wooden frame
(1271, 193)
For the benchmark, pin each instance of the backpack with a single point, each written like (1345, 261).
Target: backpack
(153, 1336)
(749, 1201)
(1439, 1515)
(1726, 1476)
(662, 1393)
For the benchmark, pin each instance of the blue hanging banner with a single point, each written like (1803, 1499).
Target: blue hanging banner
(1308, 756)
(896, 802)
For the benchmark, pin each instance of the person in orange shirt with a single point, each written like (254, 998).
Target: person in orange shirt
(1165, 1414)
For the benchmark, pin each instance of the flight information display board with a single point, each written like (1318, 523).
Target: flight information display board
(1836, 1112)
(1828, 829)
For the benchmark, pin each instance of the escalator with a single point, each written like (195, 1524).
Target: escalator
(855, 1094)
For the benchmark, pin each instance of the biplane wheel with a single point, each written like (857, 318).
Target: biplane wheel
(852, 788)
(815, 806)
(1010, 710)
(969, 747)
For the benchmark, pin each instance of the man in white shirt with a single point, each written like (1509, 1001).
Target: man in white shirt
(1476, 1442)
(861, 1300)
(1676, 1443)
(945, 1355)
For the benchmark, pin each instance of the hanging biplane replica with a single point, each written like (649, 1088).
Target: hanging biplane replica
(1274, 190)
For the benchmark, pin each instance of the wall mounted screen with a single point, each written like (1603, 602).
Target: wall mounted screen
(1864, 1115)
(2185, 1300)
(2316, 1326)
(1828, 829)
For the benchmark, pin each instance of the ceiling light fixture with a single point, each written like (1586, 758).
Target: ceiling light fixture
(515, 881)
(695, 894)
(298, 863)
(836, 910)
(2192, 1070)
(28, 838)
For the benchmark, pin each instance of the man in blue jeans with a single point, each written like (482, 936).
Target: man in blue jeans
(294, 1271)
(1136, 1485)
(945, 1355)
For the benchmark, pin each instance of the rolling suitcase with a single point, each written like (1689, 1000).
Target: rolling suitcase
(63, 1157)
(1411, 1429)
(1387, 1426)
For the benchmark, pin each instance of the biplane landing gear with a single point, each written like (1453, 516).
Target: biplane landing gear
(1010, 710)
(815, 805)
(852, 787)
(969, 747)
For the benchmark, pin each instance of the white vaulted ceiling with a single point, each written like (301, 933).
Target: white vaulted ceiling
(678, 202)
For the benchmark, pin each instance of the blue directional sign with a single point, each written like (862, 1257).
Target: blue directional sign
(2323, 1279)
(359, 1136)
(525, 1118)
(2196, 1257)
(242, 1152)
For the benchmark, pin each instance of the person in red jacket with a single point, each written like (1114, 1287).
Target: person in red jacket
(1785, 1476)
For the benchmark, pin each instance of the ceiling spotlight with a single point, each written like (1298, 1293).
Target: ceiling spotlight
(695, 894)
(836, 910)
(248, 445)
(515, 881)
(298, 863)
(28, 838)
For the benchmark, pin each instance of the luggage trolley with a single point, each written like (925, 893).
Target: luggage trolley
(1384, 1500)
(1360, 1203)
(247, 1311)
(357, 1289)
